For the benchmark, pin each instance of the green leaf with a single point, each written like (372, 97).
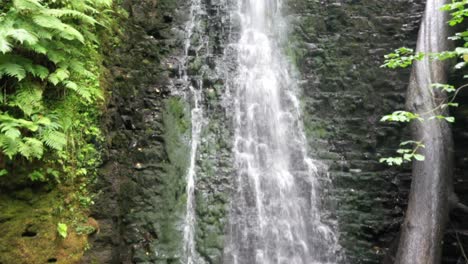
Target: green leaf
(13, 70)
(3, 172)
(408, 142)
(460, 65)
(54, 139)
(461, 51)
(64, 30)
(401, 116)
(407, 157)
(419, 157)
(11, 132)
(450, 119)
(33, 147)
(5, 45)
(27, 4)
(70, 13)
(37, 176)
(62, 230)
(9, 146)
(401, 151)
(59, 76)
(392, 161)
(444, 87)
(22, 35)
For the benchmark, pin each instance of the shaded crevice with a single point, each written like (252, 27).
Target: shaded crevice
(28, 233)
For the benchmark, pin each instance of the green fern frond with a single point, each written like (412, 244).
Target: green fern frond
(71, 33)
(82, 91)
(7, 122)
(12, 70)
(37, 48)
(31, 148)
(60, 75)
(39, 71)
(60, 13)
(64, 30)
(8, 33)
(5, 45)
(103, 3)
(27, 4)
(45, 121)
(22, 36)
(76, 67)
(54, 139)
(57, 56)
(9, 146)
(10, 131)
(28, 98)
(21, 67)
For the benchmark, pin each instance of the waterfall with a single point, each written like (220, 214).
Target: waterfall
(197, 120)
(276, 214)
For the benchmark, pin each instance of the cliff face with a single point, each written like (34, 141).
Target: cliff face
(140, 193)
(337, 47)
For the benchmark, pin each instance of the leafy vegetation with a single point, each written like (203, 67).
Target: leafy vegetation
(50, 69)
(51, 96)
(404, 57)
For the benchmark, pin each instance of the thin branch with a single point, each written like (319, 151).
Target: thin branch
(460, 244)
(462, 207)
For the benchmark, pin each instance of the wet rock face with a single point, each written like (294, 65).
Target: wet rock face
(338, 47)
(142, 196)
(141, 190)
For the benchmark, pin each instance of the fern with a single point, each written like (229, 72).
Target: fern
(54, 139)
(21, 67)
(11, 132)
(27, 4)
(29, 100)
(12, 70)
(31, 148)
(22, 36)
(9, 146)
(64, 13)
(49, 62)
(59, 76)
(65, 31)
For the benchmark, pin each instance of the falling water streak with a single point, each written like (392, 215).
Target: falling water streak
(276, 214)
(197, 123)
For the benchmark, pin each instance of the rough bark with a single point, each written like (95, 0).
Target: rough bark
(423, 228)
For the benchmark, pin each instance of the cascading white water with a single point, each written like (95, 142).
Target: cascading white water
(197, 121)
(275, 212)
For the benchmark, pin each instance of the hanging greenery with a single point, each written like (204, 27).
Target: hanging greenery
(50, 69)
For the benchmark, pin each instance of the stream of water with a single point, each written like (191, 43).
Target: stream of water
(275, 212)
(197, 120)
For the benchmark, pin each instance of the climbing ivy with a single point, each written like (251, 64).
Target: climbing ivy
(404, 57)
(50, 69)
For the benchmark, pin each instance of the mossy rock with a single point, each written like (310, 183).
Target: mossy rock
(28, 231)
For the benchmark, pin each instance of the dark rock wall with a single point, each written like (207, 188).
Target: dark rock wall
(141, 197)
(338, 47)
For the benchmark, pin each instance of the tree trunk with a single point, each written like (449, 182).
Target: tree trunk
(423, 228)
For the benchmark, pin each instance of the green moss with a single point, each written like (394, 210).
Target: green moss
(315, 129)
(29, 230)
(171, 200)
